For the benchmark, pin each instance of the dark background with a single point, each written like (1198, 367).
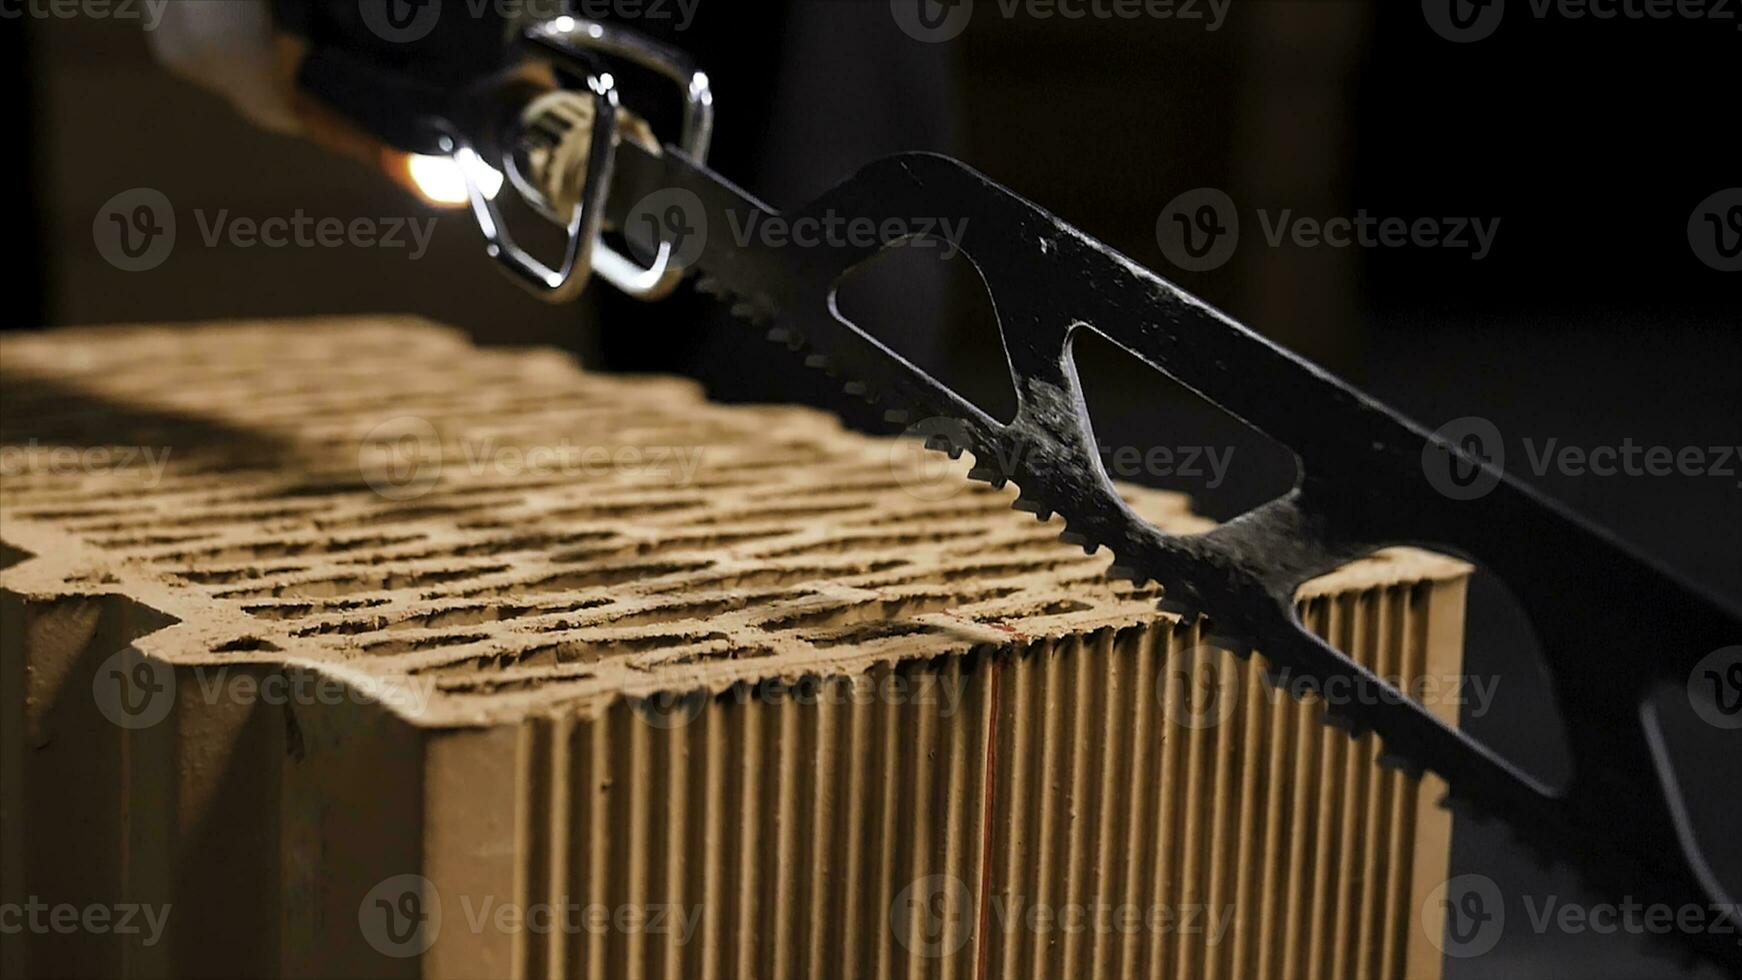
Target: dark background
(1592, 320)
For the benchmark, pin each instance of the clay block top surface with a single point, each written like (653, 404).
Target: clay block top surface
(501, 532)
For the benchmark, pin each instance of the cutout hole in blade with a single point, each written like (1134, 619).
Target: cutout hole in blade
(1150, 430)
(1473, 660)
(1521, 720)
(923, 299)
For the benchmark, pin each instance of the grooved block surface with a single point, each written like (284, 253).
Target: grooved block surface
(562, 599)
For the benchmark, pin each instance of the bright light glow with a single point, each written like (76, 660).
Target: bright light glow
(441, 180)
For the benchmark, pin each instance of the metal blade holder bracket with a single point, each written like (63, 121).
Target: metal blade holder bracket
(574, 134)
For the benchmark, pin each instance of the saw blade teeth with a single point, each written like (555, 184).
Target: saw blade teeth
(1399, 763)
(1344, 722)
(1176, 607)
(1463, 806)
(1185, 612)
(940, 443)
(1079, 539)
(988, 475)
(1028, 505)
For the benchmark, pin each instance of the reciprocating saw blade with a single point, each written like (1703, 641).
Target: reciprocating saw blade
(1603, 615)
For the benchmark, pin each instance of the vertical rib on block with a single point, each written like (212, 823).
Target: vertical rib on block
(357, 651)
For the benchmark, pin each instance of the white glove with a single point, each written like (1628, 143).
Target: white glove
(226, 46)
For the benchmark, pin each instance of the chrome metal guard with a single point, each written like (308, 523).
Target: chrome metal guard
(570, 44)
